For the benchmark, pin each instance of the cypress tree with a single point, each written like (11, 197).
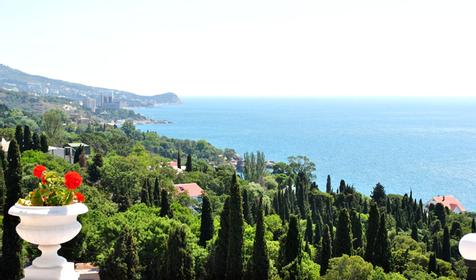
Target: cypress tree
(292, 244)
(123, 263)
(342, 186)
(19, 137)
(372, 230)
(179, 255)
(179, 160)
(94, 170)
(165, 209)
(440, 213)
(43, 143)
(3, 160)
(12, 243)
(150, 190)
(414, 232)
(206, 222)
(343, 239)
(356, 230)
(144, 194)
(328, 184)
(382, 252)
(188, 164)
(378, 195)
(221, 246)
(259, 263)
(156, 192)
(234, 266)
(77, 154)
(27, 141)
(3, 189)
(473, 226)
(437, 247)
(36, 142)
(326, 250)
(246, 208)
(432, 263)
(456, 230)
(308, 234)
(446, 246)
(318, 229)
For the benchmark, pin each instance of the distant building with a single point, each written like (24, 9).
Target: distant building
(193, 190)
(90, 104)
(108, 102)
(174, 165)
(76, 145)
(448, 201)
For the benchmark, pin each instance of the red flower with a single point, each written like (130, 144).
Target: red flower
(43, 180)
(72, 180)
(80, 197)
(38, 171)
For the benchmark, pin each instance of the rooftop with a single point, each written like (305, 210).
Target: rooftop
(192, 189)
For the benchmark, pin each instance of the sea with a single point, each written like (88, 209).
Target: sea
(423, 145)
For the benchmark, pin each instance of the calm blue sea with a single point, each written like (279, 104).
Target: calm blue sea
(427, 145)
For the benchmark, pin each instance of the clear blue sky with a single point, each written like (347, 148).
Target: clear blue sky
(248, 47)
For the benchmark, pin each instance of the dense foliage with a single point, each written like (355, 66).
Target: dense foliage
(270, 223)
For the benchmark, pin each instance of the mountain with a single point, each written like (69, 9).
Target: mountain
(18, 81)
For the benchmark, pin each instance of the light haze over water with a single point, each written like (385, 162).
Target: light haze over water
(426, 145)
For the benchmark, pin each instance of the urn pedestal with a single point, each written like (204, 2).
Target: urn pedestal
(48, 227)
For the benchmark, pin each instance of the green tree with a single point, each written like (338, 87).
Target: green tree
(328, 184)
(94, 170)
(179, 255)
(234, 267)
(446, 246)
(36, 145)
(3, 189)
(12, 243)
(259, 262)
(473, 226)
(77, 153)
(247, 208)
(43, 143)
(346, 267)
(378, 195)
(165, 210)
(144, 193)
(318, 229)
(123, 262)
(292, 244)
(188, 164)
(432, 264)
(382, 254)
(414, 233)
(179, 160)
(372, 230)
(206, 222)
(326, 250)
(27, 140)
(220, 252)
(343, 239)
(308, 234)
(19, 137)
(356, 230)
(52, 126)
(156, 192)
(3, 160)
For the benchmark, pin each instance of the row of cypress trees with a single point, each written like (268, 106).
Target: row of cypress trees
(26, 141)
(156, 196)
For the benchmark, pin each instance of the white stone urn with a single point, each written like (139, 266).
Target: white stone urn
(48, 227)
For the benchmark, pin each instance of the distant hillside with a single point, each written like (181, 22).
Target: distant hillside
(18, 81)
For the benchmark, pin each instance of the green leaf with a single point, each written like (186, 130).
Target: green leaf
(36, 199)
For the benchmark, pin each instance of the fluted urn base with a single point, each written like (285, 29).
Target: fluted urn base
(66, 271)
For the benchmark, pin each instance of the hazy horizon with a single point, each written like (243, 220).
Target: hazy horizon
(265, 48)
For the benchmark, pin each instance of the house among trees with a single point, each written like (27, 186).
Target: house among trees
(193, 190)
(4, 145)
(448, 201)
(68, 152)
(174, 165)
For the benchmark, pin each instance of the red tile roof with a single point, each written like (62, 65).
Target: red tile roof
(449, 201)
(192, 189)
(173, 164)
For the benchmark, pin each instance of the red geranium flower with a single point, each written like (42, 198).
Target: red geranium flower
(80, 197)
(38, 171)
(43, 180)
(72, 180)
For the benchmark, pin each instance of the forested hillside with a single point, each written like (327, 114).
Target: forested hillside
(266, 223)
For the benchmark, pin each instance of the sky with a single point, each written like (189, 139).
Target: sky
(247, 47)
